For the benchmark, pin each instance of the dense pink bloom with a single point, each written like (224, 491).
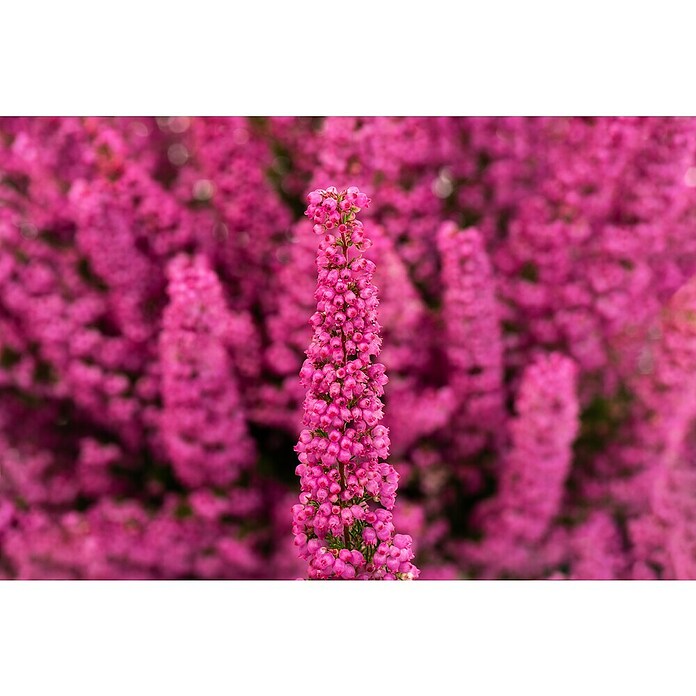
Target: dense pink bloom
(635, 474)
(596, 552)
(191, 537)
(142, 437)
(672, 548)
(662, 471)
(473, 339)
(239, 219)
(203, 423)
(534, 472)
(343, 523)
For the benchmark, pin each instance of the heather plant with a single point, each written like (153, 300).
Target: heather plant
(343, 523)
(516, 521)
(203, 422)
(473, 340)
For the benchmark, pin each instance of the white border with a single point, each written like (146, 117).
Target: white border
(352, 57)
(286, 638)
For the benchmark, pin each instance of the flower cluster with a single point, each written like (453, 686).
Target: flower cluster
(343, 523)
(657, 478)
(535, 469)
(203, 420)
(473, 339)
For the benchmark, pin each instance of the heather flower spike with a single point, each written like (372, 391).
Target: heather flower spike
(203, 424)
(343, 523)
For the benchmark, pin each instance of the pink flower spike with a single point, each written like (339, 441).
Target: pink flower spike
(341, 377)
